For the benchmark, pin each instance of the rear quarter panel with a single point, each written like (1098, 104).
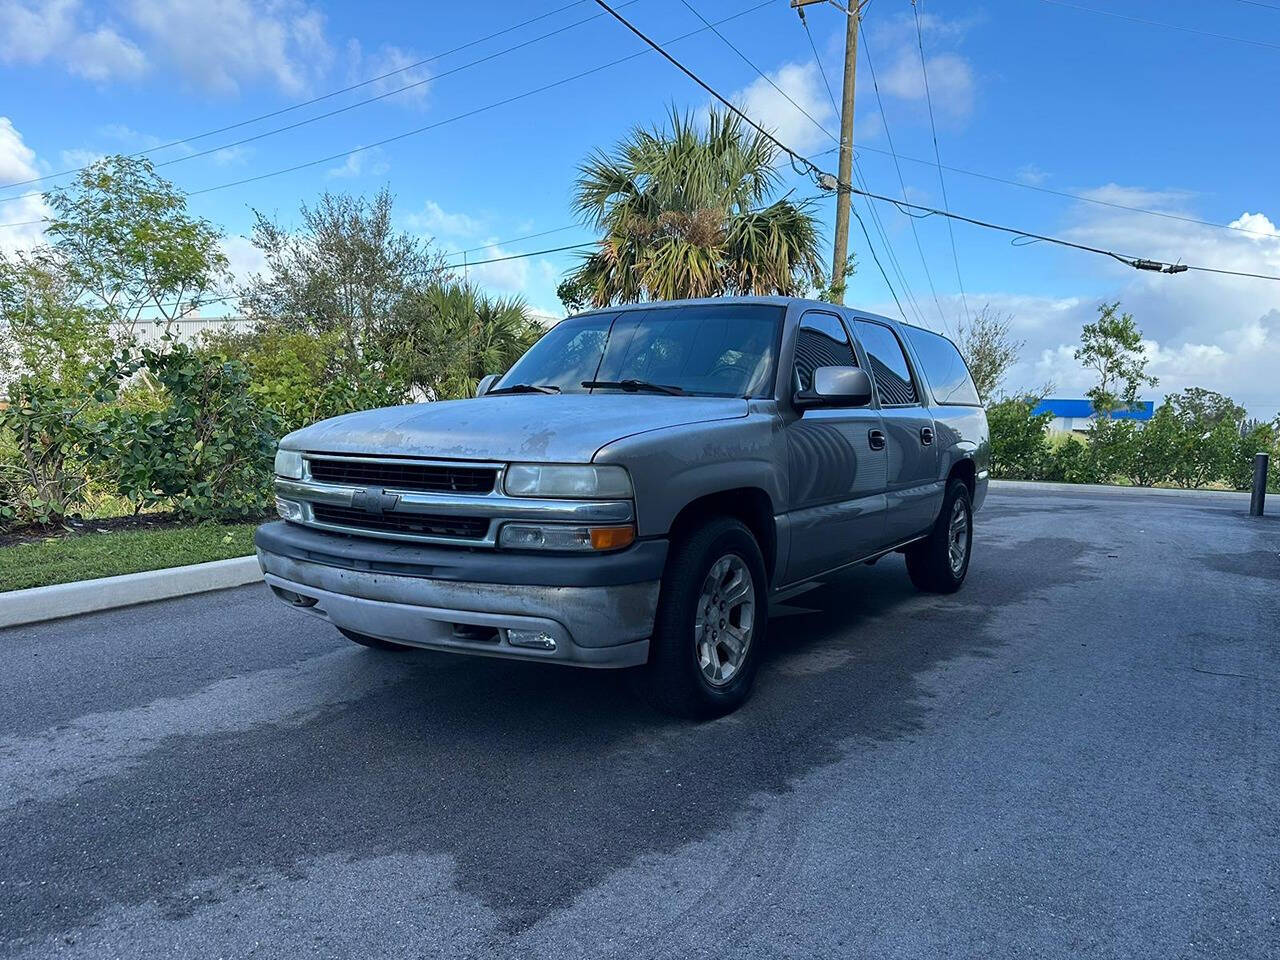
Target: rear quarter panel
(962, 435)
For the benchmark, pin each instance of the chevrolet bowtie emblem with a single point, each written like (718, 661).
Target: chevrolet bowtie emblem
(374, 501)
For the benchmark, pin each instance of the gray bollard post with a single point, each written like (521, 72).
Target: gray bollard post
(1258, 499)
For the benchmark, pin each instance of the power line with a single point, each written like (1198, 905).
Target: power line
(786, 96)
(1258, 3)
(1071, 196)
(1138, 263)
(1167, 26)
(469, 113)
(764, 76)
(795, 157)
(875, 84)
(827, 181)
(924, 72)
(862, 179)
(857, 216)
(318, 99)
(359, 103)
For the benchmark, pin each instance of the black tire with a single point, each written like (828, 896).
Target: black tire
(674, 680)
(373, 642)
(929, 561)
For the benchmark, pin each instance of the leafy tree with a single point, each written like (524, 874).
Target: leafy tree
(1158, 447)
(454, 334)
(989, 349)
(1019, 445)
(1111, 347)
(687, 213)
(45, 331)
(126, 248)
(345, 268)
(1209, 426)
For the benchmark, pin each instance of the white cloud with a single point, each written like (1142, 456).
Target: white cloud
(104, 55)
(1167, 201)
(230, 156)
(32, 31)
(1199, 329)
(79, 157)
(391, 60)
(367, 162)
(18, 162)
(243, 258)
(506, 276)
(1030, 174)
(435, 220)
(952, 84)
(219, 45)
(802, 83)
(1257, 224)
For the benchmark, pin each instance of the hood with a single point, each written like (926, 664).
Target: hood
(543, 428)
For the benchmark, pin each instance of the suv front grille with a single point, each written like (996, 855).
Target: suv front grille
(399, 475)
(412, 524)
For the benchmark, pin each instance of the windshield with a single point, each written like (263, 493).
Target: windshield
(719, 350)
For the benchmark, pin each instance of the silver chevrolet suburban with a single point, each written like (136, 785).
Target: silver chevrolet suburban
(636, 489)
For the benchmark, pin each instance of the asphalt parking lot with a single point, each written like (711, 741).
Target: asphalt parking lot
(1077, 755)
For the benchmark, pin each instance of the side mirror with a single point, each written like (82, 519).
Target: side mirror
(836, 387)
(487, 381)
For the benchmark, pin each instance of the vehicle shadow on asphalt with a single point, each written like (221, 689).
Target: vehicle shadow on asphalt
(538, 782)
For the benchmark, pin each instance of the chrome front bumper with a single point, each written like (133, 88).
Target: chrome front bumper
(590, 626)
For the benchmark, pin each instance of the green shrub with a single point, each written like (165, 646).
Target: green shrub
(48, 444)
(1019, 445)
(1070, 461)
(1157, 448)
(301, 378)
(206, 449)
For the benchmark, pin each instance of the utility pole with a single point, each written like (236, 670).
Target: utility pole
(853, 16)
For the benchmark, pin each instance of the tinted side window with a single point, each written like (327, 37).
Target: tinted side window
(943, 367)
(821, 341)
(889, 367)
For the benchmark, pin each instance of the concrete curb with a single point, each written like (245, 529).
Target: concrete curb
(1098, 489)
(68, 599)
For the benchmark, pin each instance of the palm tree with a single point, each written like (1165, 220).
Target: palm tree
(687, 214)
(456, 334)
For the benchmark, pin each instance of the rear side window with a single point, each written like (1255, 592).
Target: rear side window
(889, 367)
(944, 368)
(821, 341)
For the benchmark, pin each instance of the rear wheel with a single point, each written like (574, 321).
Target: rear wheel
(939, 562)
(373, 642)
(710, 623)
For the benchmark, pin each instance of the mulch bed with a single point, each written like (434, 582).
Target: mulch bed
(76, 526)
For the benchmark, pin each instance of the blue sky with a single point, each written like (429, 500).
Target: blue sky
(1040, 93)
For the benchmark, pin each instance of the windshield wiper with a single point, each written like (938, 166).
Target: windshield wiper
(634, 386)
(525, 388)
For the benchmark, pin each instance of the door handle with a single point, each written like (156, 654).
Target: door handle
(876, 439)
(926, 435)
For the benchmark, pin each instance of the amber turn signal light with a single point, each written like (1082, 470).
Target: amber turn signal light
(612, 538)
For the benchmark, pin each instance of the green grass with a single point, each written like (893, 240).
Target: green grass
(90, 555)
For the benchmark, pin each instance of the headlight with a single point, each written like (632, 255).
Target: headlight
(584, 482)
(289, 464)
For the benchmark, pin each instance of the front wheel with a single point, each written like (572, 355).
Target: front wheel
(939, 562)
(710, 623)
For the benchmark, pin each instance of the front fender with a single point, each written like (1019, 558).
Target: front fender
(674, 466)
